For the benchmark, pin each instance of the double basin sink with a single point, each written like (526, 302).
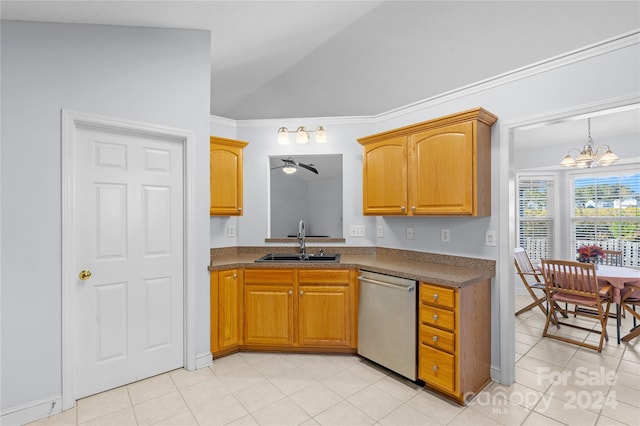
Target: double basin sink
(299, 258)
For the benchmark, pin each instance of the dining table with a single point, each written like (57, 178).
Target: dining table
(618, 277)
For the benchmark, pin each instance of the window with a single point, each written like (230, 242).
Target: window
(536, 216)
(605, 212)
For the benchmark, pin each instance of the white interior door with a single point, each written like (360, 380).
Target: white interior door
(128, 214)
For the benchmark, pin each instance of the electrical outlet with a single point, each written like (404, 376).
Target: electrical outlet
(380, 231)
(231, 230)
(490, 238)
(357, 231)
(409, 233)
(445, 235)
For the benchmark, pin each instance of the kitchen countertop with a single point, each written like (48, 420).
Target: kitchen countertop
(446, 270)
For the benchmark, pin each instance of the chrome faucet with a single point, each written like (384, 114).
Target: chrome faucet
(301, 237)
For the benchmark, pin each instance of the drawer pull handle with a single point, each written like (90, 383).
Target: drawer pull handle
(434, 368)
(435, 338)
(435, 296)
(435, 317)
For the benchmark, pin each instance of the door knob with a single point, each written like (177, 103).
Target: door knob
(85, 274)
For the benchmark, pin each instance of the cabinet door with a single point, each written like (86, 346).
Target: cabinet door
(229, 308)
(385, 177)
(441, 171)
(324, 316)
(268, 314)
(225, 158)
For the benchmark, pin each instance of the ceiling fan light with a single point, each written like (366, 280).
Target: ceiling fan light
(289, 169)
(321, 135)
(568, 161)
(608, 158)
(283, 136)
(302, 137)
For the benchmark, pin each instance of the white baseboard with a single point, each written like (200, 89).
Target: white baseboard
(496, 375)
(204, 360)
(32, 411)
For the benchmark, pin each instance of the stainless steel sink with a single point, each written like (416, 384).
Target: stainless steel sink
(299, 258)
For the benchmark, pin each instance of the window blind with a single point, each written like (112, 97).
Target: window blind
(536, 216)
(605, 212)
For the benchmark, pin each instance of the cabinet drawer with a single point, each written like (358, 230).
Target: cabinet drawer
(437, 317)
(438, 296)
(323, 276)
(437, 368)
(269, 276)
(437, 338)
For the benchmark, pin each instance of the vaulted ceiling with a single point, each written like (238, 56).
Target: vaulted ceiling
(273, 59)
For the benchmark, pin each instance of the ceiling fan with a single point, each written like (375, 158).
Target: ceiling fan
(291, 166)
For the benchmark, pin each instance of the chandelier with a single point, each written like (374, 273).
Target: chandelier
(602, 155)
(302, 135)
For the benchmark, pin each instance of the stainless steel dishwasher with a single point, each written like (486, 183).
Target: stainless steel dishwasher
(387, 322)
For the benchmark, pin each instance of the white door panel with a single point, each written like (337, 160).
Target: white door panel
(129, 211)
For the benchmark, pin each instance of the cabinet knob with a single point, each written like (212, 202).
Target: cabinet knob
(290, 292)
(435, 296)
(435, 317)
(413, 208)
(235, 276)
(239, 209)
(434, 368)
(301, 292)
(403, 208)
(435, 338)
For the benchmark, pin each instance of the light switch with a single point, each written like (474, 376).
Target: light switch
(409, 233)
(490, 238)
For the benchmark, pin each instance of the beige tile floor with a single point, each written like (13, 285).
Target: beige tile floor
(556, 383)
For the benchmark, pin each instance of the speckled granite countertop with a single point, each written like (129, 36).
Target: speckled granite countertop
(447, 270)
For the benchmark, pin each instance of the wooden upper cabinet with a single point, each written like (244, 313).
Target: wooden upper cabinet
(385, 177)
(225, 157)
(439, 167)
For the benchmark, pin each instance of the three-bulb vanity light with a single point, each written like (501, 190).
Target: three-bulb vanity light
(302, 135)
(590, 154)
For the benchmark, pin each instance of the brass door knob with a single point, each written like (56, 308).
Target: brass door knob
(85, 274)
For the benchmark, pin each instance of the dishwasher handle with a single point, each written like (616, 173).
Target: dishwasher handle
(386, 284)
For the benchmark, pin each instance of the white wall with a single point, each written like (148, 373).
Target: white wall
(157, 76)
(563, 84)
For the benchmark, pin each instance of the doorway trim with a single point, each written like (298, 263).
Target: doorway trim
(70, 122)
(507, 223)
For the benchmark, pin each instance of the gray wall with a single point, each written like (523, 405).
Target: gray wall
(156, 76)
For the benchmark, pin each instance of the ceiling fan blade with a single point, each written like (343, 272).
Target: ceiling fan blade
(309, 167)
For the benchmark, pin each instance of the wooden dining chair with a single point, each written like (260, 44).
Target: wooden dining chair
(532, 279)
(612, 257)
(630, 299)
(575, 283)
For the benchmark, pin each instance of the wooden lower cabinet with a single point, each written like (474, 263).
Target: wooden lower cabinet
(268, 307)
(325, 308)
(284, 309)
(226, 310)
(455, 339)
